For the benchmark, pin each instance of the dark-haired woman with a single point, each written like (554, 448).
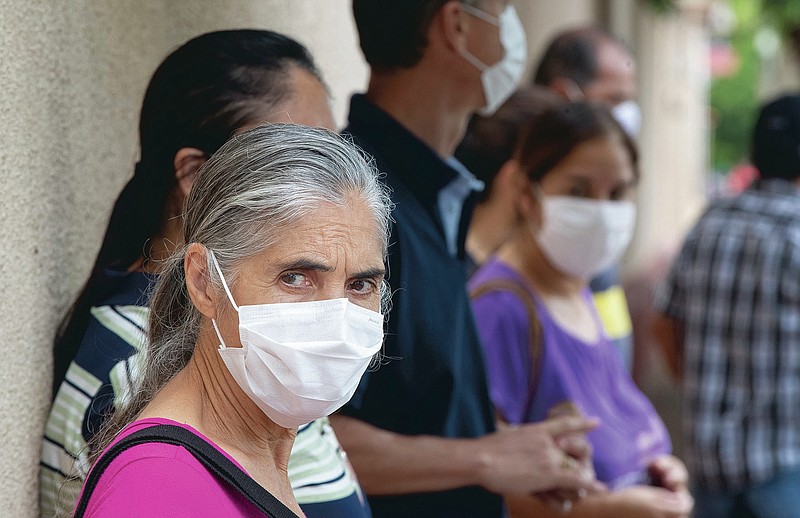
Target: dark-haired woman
(210, 88)
(545, 347)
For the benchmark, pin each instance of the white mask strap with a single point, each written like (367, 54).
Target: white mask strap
(227, 290)
(478, 13)
(219, 335)
(475, 62)
(222, 277)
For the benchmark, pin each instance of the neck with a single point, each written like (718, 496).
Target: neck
(205, 396)
(425, 104)
(489, 228)
(523, 253)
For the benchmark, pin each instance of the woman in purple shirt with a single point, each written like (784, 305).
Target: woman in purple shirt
(545, 348)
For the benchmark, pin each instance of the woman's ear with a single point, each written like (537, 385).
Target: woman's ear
(188, 160)
(529, 203)
(195, 266)
(567, 89)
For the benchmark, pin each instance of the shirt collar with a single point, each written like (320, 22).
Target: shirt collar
(406, 156)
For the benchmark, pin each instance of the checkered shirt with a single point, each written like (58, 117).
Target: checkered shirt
(736, 288)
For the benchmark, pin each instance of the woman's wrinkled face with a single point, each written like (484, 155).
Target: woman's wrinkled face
(334, 252)
(599, 169)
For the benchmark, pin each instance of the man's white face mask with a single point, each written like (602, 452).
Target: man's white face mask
(501, 79)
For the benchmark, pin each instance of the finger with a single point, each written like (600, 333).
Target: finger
(559, 501)
(576, 446)
(575, 481)
(559, 426)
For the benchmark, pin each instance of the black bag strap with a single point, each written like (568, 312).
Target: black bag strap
(209, 456)
(535, 338)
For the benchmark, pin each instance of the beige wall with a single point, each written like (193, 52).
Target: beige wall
(544, 18)
(72, 75)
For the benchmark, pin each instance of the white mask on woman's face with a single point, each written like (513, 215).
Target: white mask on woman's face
(583, 237)
(500, 80)
(301, 361)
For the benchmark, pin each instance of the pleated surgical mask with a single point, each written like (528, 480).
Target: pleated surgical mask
(301, 361)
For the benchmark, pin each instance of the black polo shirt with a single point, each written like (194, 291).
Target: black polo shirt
(434, 382)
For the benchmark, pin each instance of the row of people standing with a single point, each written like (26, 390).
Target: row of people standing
(421, 429)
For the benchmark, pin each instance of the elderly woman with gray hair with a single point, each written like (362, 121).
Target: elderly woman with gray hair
(264, 319)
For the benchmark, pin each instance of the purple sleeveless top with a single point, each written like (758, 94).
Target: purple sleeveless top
(590, 375)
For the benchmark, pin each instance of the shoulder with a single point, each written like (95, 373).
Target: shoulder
(499, 302)
(156, 479)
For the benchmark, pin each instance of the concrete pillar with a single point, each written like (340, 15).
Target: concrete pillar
(672, 53)
(72, 75)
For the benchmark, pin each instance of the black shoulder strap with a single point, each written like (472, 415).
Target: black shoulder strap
(209, 456)
(535, 338)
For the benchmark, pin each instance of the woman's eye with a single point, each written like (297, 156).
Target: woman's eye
(294, 279)
(578, 192)
(362, 287)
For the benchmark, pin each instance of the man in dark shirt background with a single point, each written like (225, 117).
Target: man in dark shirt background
(421, 430)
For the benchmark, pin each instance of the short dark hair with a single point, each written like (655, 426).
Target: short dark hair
(556, 132)
(776, 139)
(394, 33)
(490, 141)
(573, 54)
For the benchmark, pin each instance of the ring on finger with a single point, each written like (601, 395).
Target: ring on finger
(568, 462)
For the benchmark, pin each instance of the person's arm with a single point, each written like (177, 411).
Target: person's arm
(524, 459)
(632, 502)
(669, 333)
(670, 499)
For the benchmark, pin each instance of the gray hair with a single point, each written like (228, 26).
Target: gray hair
(259, 182)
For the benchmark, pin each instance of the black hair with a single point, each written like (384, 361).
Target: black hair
(198, 97)
(394, 33)
(776, 139)
(573, 54)
(490, 141)
(556, 132)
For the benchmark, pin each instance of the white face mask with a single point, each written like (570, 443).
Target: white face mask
(501, 79)
(629, 116)
(627, 113)
(583, 237)
(301, 361)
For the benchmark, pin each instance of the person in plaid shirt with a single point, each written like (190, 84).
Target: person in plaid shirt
(730, 326)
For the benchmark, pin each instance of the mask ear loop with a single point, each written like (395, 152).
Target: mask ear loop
(477, 13)
(539, 197)
(574, 93)
(227, 291)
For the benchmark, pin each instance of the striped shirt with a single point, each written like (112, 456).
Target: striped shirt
(735, 287)
(99, 379)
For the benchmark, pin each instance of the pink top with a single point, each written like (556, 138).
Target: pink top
(156, 479)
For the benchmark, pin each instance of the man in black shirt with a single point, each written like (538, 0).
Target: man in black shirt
(420, 430)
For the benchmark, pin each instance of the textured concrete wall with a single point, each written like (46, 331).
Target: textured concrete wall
(72, 75)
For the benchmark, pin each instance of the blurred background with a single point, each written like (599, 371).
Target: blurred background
(72, 75)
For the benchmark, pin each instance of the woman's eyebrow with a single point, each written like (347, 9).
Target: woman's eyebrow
(305, 264)
(370, 273)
